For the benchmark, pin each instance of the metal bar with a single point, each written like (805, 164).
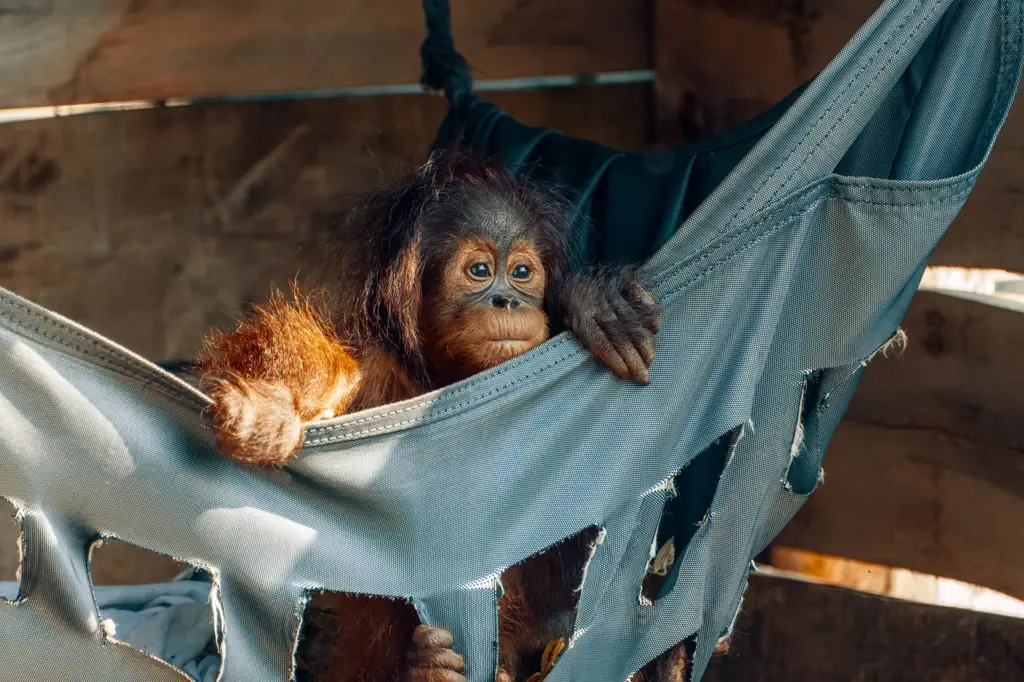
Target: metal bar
(507, 84)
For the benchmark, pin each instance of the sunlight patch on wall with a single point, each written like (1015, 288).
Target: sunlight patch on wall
(999, 288)
(889, 581)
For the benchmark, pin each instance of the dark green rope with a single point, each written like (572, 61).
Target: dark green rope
(443, 67)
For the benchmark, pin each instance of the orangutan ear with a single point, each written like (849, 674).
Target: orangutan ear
(401, 289)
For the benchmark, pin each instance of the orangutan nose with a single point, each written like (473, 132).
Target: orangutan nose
(502, 301)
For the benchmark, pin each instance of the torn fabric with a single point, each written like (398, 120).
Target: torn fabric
(794, 243)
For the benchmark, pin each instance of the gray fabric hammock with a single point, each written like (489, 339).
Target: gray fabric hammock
(783, 256)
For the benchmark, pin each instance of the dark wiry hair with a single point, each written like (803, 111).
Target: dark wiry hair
(375, 260)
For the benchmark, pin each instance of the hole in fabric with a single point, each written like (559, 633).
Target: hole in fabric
(800, 467)
(671, 665)
(537, 610)
(805, 456)
(10, 551)
(695, 487)
(113, 562)
(364, 635)
(157, 604)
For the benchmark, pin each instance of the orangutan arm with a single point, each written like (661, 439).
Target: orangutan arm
(281, 367)
(611, 314)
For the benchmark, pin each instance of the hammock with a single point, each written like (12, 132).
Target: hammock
(783, 254)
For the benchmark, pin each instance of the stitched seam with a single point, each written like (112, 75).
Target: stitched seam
(112, 366)
(856, 99)
(434, 416)
(1001, 90)
(426, 403)
(106, 356)
(840, 179)
(822, 117)
(1000, 74)
(723, 242)
(105, 362)
(1003, 86)
(773, 211)
(440, 414)
(1004, 63)
(112, 354)
(831, 106)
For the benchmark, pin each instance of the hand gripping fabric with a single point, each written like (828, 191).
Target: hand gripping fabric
(783, 255)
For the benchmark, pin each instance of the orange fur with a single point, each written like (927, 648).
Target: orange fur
(282, 366)
(356, 638)
(460, 340)
(464, 342)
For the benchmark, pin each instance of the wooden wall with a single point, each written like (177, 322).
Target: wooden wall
(792, 630)
(151, 226)
(708, 81)
(67, 51)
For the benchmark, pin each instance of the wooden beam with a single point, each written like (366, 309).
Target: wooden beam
(888, 581)
(112, 50)
(918, 499)
(961, 375)
(794, 630)
(152, 226)
(119, 563)
(927, 470)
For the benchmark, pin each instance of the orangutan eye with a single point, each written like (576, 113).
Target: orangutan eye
(479, 271)
(521, 272)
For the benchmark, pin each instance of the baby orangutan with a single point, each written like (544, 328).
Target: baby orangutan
(430, 280)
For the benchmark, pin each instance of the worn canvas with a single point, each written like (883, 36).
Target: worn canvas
(783, 255)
